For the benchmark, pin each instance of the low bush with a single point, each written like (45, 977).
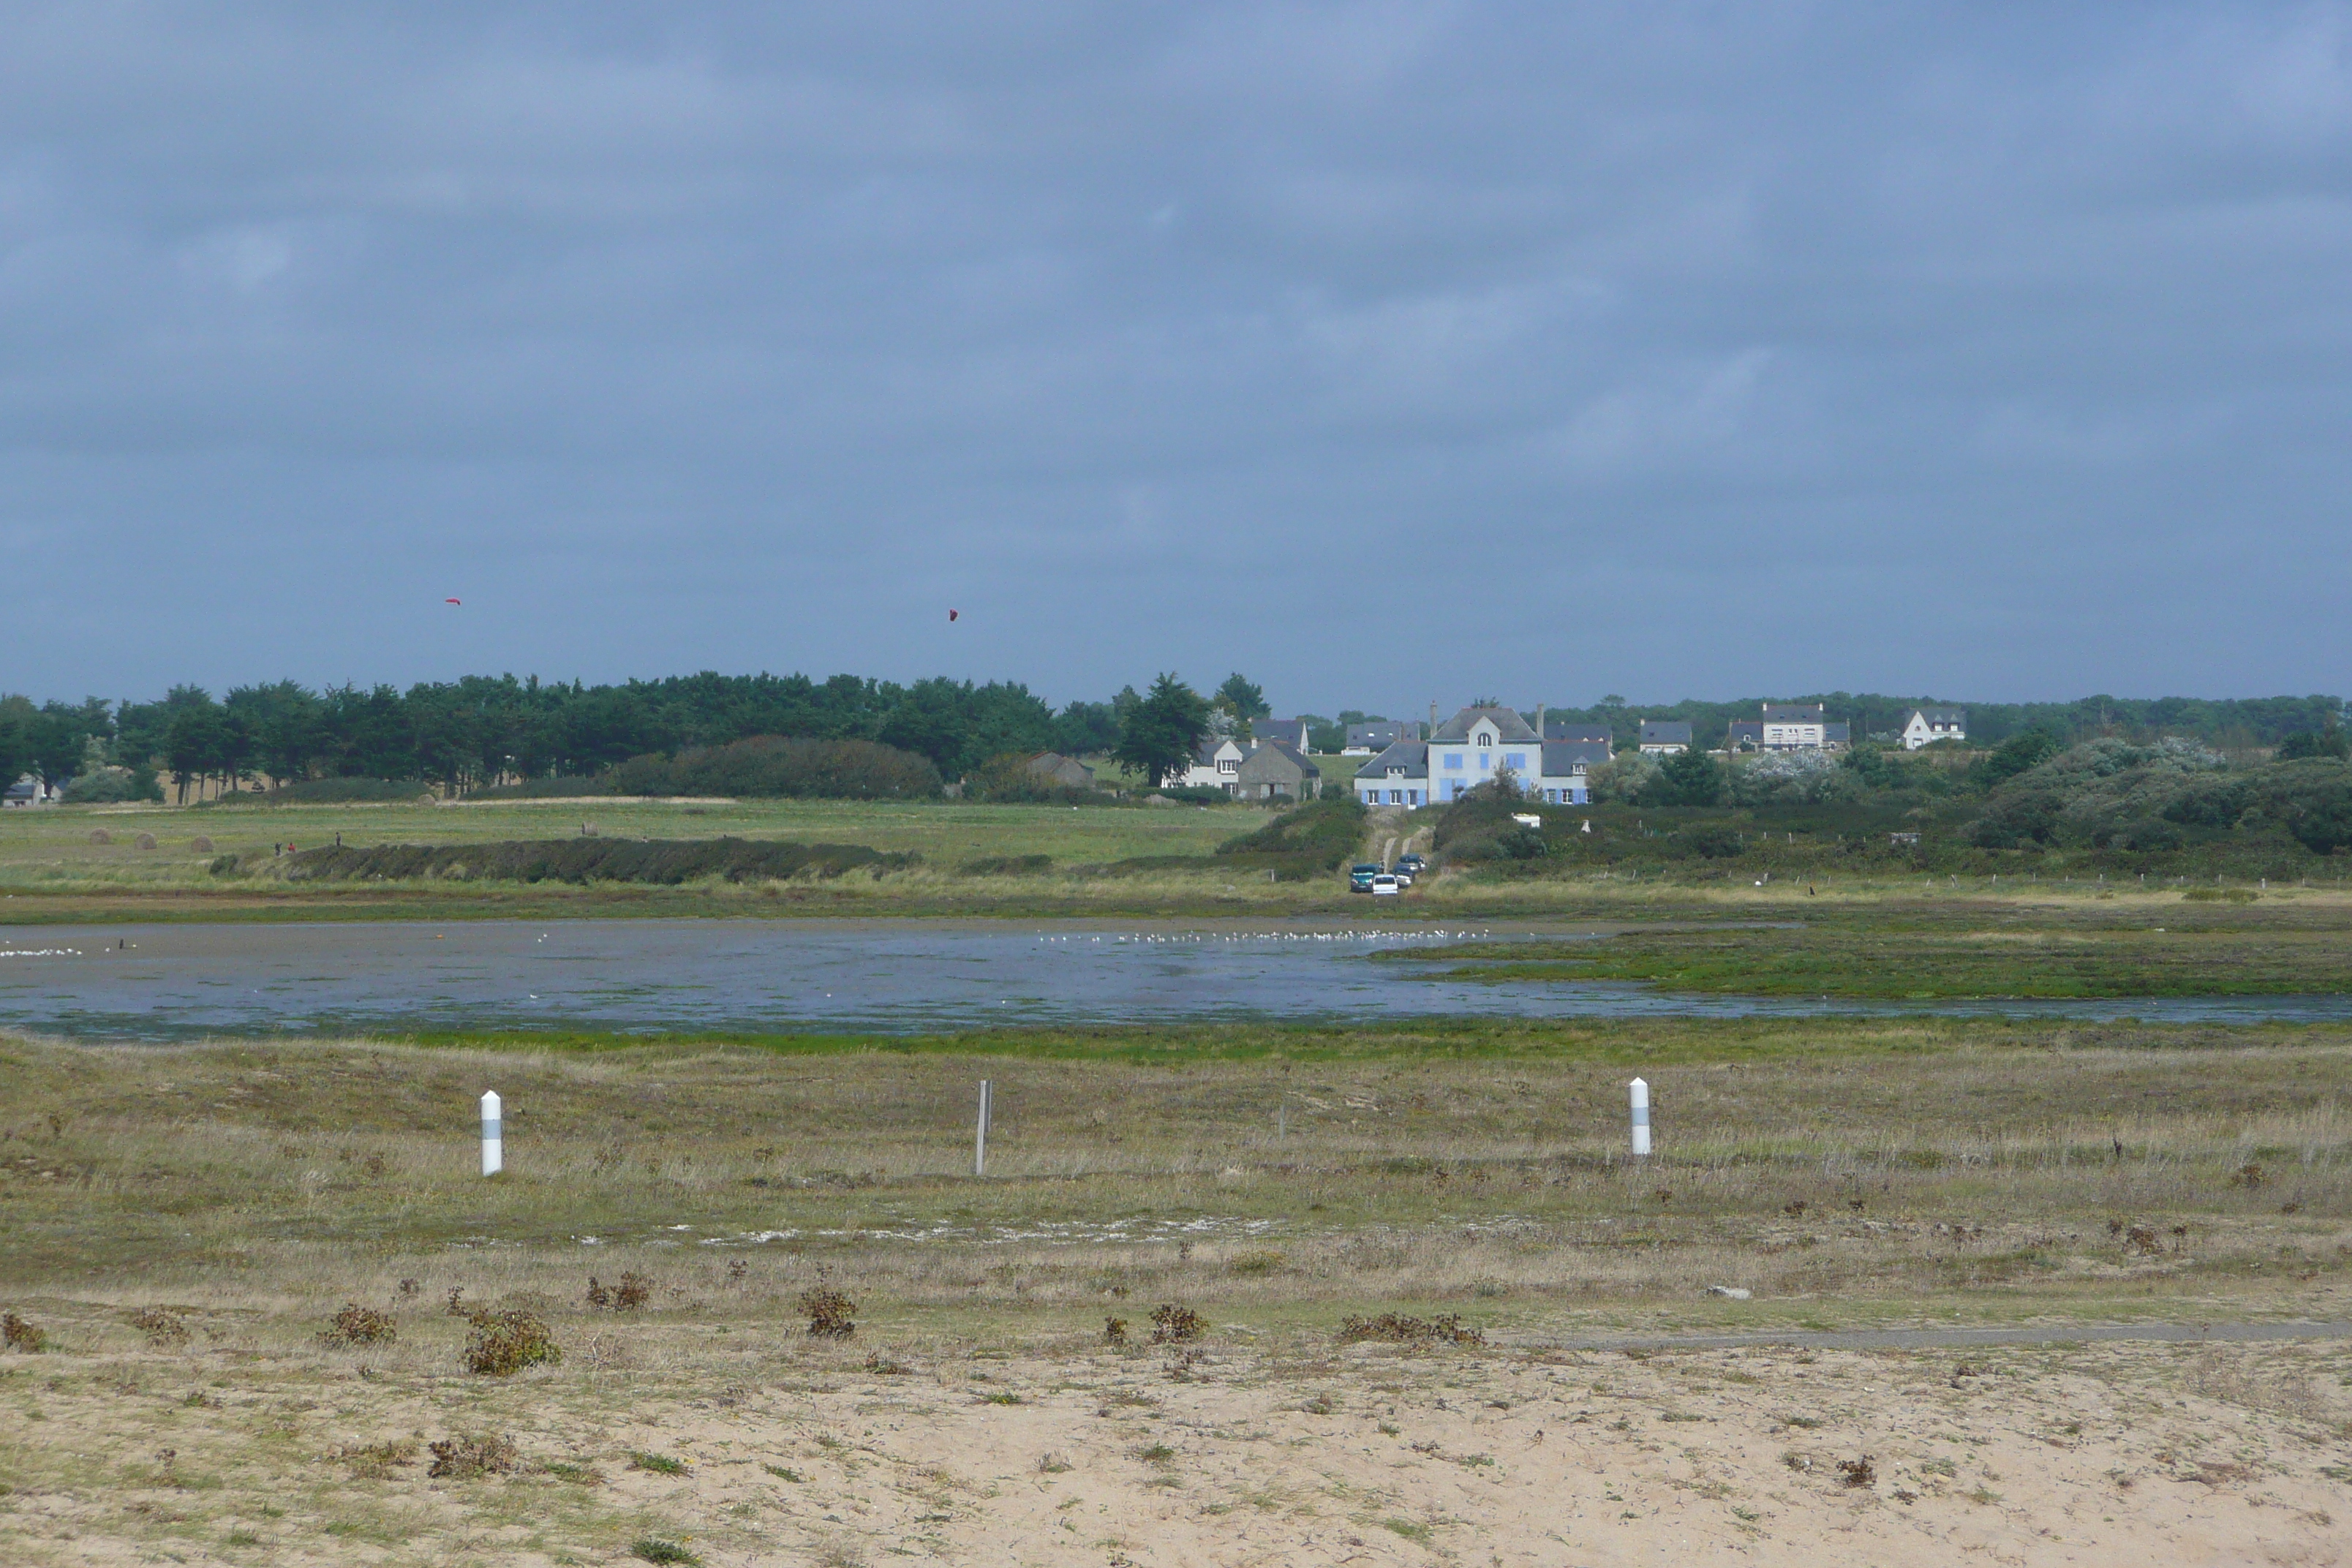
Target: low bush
(21, 1334)
(658, 1464)
(771, 767)
(332, 791)
(504, 1343)
(1174, 1325)
(1396, 1329)
(828, 1313)
(164, 1331)
(112, 787)
(469, 1459)
(664, 862)
(1007, 866)
(376, 1461)
(1325, 832)
(358, 1325)
(653, 1549)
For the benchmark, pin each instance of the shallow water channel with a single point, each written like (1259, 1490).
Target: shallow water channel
(174, 981)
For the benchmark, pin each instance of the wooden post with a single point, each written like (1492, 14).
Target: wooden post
(979, 1133)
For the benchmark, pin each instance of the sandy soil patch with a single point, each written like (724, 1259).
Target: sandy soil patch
(1240, 1454)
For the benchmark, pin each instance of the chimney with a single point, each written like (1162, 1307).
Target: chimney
(1432, 720)
(1539, 712)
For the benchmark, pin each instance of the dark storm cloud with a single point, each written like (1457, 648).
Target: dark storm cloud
(1382, 351)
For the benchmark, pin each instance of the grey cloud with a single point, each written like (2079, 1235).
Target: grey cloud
(1383, 351)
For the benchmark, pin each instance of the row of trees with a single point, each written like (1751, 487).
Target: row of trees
(480, 731)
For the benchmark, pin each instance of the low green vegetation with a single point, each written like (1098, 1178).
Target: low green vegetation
(1997, 960)
(664, 862)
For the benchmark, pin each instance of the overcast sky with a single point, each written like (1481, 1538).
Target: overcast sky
(1383, 351)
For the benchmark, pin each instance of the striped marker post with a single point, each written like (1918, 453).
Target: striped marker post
(494, 1145)
(979, 1130)
(1641, 1119)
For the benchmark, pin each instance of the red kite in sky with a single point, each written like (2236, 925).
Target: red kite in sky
(453, 601)
(952, 614)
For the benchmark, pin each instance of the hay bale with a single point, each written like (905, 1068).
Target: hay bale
(201, 844)
(146, 841)
(100, 836)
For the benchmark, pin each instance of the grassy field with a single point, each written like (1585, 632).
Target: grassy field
(180, 1224)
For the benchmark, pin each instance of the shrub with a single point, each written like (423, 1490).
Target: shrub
(1114, 1331)
(1324, 833)
(376, 1461)
(332, 791)
(164, 1331)
(665, 862)
(660, 1464)
(19, 1334)
(469, 1459)
(503, 1344)
(769, 766)
(1009, 778)
(1483, 826)
(1395, 1328)
(653, 1549)
(633, 1292)
(1173, 1325)
(358, 1325)
(110, 787)
(1007, 866)
(828, 1313)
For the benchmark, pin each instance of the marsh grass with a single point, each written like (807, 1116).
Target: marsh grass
(1476, 1171)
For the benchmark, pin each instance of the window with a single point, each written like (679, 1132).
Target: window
(1227, 766)
(1396, 797)
(1516, 760)
(1484, 739)
(1453, 760)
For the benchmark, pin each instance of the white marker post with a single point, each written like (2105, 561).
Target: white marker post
(1641, 1119)
(494, 1146)
(979, 1132)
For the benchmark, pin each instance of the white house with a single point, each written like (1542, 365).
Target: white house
(1214, 765)
(1398, 776)
(1471, 749)
(1788, 727)
(1927, 725)
(1665, 737)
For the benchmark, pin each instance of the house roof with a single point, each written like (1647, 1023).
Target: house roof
(1560, 757)
(1577, 730)
(1747, 729)
(1413, 756)
(1508, 725)
(1383, 729)
(1666, 732)
(1836, 734)
(1795, 712)
(1938, 715)
(1275, 759)
(1206, 756)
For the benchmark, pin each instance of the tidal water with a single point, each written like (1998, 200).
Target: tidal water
(176, 982)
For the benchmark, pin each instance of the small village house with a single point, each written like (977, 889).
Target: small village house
(1665, 737)
(1924, 726)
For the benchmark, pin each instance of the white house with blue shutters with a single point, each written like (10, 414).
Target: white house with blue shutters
(1470, 749)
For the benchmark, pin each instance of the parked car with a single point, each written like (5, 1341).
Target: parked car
(1386, 886)
(1412, 863)
(1360, 876)
(1402, 873)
